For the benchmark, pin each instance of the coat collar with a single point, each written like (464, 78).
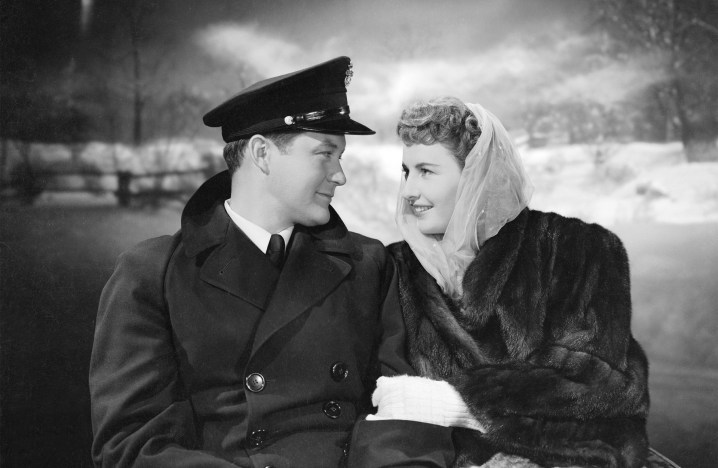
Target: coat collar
(205, 223)
(319, 258)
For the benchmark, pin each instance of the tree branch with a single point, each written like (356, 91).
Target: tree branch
(702, 24)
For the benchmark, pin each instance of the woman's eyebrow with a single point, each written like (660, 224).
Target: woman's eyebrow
(419, 164)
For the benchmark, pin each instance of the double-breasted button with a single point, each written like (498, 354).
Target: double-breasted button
(254, 382)
(257, 438)
(332, 409)
(339, 371)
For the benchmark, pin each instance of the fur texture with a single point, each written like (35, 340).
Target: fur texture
(540, 347)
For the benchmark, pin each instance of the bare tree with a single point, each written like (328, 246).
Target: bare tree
(135, 13)
(683, 38)
(123, 63)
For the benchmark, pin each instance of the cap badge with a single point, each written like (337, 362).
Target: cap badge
(349, 74)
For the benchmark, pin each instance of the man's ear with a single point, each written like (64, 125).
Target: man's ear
(258, 149)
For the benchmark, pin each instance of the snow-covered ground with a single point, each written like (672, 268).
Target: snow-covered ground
(624, 183)
(609, 183)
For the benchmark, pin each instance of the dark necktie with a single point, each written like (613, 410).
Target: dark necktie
(275, 251)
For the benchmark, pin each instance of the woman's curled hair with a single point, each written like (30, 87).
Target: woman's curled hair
(444, 120)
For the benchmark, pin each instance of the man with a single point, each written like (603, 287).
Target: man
(253, 336)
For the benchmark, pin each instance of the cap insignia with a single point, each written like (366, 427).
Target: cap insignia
(349, 74)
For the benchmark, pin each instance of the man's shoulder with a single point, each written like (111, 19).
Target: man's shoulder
(150, 253)
(367, 245)
(363, 240)
(395, 248)
(155, 245)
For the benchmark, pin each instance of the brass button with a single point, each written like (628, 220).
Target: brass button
(332, 409)
(254, 382)
(339, 371)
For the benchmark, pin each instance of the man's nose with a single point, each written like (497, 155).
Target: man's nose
(337, 175)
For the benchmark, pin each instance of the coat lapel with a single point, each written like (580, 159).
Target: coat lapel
(317, 262)
(310, 273)
(240, 268)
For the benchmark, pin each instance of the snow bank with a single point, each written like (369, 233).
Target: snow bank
(605, 183)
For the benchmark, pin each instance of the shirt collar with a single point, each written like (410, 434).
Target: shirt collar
(256, 234)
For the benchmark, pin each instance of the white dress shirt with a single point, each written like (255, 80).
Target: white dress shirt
(256, 234)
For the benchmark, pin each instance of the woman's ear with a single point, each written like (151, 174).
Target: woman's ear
(258, 149)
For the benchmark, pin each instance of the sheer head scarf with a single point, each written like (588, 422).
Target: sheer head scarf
(493, 189)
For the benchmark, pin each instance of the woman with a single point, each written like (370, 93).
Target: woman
(526, 314)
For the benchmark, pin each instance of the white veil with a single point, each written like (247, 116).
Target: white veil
(493, 189)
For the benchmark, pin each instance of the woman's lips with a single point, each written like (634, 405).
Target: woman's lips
(421, 209)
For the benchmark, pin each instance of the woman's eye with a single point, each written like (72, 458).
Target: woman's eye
(423, 171)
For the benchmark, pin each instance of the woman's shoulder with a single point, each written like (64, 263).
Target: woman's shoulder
(565, 228)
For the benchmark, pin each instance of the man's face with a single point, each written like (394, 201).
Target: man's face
(302, 180)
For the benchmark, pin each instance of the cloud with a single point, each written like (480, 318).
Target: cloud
(232, 43)
(385, 87)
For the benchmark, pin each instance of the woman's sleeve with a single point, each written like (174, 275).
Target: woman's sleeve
(589, 365)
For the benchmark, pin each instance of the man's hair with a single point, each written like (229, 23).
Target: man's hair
(234, 150)
(444, 120)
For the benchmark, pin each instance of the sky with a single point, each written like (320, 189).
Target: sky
(502, 54)
(400, 49)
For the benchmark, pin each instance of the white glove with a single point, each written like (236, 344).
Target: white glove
(422, 400)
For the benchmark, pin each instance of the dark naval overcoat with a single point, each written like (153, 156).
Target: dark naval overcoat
(206, 355)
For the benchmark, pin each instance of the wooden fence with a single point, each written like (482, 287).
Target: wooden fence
(125, 185)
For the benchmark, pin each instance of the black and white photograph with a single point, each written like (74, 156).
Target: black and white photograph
(359, 233)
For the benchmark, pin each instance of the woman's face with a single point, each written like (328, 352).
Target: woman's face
(432, 178)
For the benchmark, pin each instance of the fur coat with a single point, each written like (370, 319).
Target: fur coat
(540, 346)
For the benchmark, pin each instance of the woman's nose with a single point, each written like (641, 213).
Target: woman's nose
(409, 190)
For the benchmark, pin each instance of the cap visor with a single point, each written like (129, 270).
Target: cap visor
(340, 126)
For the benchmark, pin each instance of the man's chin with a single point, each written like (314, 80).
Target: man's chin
(317, 219)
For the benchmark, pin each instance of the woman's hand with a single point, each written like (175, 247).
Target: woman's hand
(423, 400)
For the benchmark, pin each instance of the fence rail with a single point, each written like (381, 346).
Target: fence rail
(125, 185)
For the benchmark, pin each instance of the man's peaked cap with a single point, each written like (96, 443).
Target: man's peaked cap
(313, 99)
